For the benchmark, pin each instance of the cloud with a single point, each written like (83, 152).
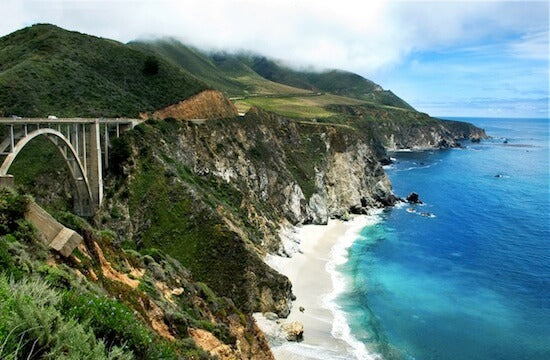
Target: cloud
(421, 50)
(364, 36)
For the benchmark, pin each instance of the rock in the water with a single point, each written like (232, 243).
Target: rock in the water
(302, 309)
(294, 331)
(413, 198)
(475, 140)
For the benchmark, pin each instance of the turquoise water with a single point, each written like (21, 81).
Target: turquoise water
(473, 282)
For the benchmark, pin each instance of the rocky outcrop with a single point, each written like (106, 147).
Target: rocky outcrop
(208, 104)
(294, 331)
(413, 198)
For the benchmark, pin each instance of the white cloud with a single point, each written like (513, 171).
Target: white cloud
(364, 36)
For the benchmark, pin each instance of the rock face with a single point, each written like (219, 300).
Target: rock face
(209, 104)
(392, 130)
(221, 190)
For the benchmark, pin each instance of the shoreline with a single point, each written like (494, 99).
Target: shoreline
(312, 269)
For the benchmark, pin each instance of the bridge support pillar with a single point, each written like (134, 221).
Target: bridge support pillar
(7, 181)
(94, 164)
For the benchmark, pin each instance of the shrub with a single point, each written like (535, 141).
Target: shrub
(151, 66)
(31, 326)
(115, 323)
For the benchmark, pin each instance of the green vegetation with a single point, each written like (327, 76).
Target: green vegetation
(32, 325)
(244, 75)
(311, 107)
(54, 309)
(337, 82)
(34, 168)
(221, 71)
(47, 70)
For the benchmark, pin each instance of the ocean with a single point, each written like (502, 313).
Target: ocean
(466, 275)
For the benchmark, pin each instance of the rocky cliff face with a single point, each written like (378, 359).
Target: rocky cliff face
(215, 195)
(394, 129)
(428, 135)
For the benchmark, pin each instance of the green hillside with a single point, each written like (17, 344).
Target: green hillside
(193, 61)
(48, 70)
(247, 75)
(337, 82)
(221, 71)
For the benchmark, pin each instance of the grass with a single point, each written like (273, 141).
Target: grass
(310, 107)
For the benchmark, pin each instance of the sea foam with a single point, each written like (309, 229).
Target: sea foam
(339, 256)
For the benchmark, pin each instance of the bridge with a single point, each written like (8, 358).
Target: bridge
(83, 143)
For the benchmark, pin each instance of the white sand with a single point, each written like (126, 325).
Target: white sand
(315, 284)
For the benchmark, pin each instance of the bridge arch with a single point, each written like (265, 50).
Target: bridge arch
(69, 153)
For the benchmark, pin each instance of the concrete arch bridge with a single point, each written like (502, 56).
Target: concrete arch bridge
(83, 143)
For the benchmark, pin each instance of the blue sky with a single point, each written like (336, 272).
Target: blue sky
(460, 58)
(507, 76)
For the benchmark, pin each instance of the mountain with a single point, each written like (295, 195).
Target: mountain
(221, 71)
(48, 70)
(337, 82)
(243, 74)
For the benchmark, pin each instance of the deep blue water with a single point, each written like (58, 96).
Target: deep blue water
(473, 282)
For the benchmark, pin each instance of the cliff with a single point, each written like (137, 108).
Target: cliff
(395, 129)
(215, 195)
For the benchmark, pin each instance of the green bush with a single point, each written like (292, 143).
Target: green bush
(115, 323)
(12, 209)
(151, 66)
(31, 326)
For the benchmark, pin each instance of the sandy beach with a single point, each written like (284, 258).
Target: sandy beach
(316, 284)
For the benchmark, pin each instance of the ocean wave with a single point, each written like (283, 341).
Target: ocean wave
(339, 256)
(306, 351)
(416, 167)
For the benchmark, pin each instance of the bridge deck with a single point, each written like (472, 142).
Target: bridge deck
(23, 121)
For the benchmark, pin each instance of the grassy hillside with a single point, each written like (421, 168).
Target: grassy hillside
(246, 75)
(193, 61)
(221, 71)
(47, 70)
(332, 81)
(300, 106)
